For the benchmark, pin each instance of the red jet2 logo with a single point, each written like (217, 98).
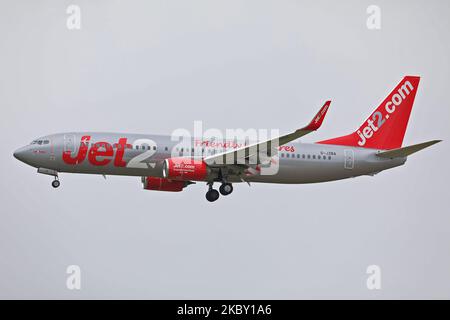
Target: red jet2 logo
(102, 150)
(374, 124)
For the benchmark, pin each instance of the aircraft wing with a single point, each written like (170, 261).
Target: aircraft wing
(262, 151)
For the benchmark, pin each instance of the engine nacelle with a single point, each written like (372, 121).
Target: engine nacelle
(185, 169)
(162, 184)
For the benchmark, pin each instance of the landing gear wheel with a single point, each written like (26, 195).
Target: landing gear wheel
(226, 188)
(55, 183)
(212, 195)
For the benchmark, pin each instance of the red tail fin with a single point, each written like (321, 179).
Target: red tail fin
(386, 126)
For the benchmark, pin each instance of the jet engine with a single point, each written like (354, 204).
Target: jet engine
(162, 184)
(185, 169)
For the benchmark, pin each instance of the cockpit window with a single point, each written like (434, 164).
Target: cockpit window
(40, 142)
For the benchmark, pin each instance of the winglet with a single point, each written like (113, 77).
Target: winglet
(316, 122)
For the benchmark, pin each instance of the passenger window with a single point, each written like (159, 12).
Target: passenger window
(282, 155)
(319, 157)
(303, 156)
(329, 157)
(166, 149)
(314, 156)
(137, 147)
(154, 147)
(309, 156)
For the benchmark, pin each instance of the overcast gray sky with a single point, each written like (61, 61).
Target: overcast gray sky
(154, 66)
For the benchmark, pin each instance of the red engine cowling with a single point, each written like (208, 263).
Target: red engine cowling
(185, 169)
(162, 184)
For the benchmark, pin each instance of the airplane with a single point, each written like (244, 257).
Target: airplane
(167, 165)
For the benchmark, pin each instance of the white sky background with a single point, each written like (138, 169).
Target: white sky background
(155, 66)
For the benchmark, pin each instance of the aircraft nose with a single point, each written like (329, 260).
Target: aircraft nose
(19, 154)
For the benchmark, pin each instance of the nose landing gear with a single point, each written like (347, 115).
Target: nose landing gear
(50, 172)
(55, 183)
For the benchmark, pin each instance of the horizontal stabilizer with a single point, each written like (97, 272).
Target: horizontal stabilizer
(406, 151)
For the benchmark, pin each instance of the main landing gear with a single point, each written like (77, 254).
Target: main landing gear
(226, 188)
(212, 194)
